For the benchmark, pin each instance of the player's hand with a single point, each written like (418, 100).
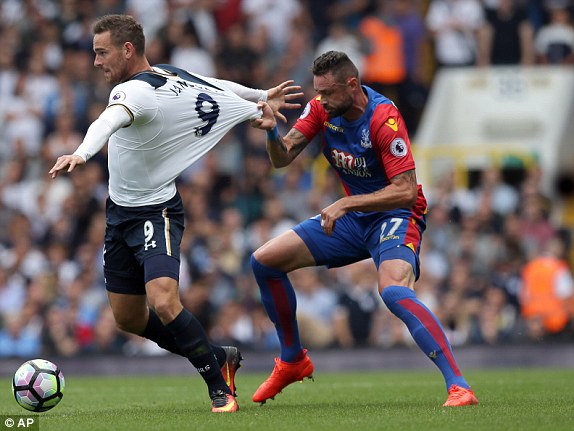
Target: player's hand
(69, 160)
(267, 120)
(279, 98)
(331, 214)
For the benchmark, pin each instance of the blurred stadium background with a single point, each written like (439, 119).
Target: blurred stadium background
(486, 90)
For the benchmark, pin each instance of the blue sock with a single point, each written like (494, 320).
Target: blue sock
(426, 330)
(279, 300)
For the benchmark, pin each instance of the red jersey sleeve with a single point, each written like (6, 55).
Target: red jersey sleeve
(312, 119)
(391, 140)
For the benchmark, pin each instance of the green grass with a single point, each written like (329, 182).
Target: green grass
(520, 399)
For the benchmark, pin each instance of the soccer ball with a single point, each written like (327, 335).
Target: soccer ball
(38, 385)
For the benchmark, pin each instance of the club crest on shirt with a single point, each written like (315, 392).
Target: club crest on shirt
(118, 96)
(366, 139)
(399, 147)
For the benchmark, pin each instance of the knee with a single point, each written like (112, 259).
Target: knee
(260, 269)
(163, 297)
(166, 307)
(258, 259)
(395, 273)
(257, 265)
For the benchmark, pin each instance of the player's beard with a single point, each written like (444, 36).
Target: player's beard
(338, 111)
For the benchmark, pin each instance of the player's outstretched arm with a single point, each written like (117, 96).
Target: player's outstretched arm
(113, 118)
(280, 97)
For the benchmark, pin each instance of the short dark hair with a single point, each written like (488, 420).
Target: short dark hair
(337, 63)
(122, 28)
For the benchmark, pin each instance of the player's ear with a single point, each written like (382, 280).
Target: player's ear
(129, 49)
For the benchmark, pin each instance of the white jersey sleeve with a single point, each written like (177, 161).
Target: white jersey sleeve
(101, 129)
(176, 118)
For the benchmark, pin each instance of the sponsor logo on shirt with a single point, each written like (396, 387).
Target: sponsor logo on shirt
(349, 164)
(392, 123)
(333, 127)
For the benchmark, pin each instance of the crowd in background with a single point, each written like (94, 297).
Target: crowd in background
(493, 260)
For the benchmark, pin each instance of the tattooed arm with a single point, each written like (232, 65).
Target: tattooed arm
(283, 150)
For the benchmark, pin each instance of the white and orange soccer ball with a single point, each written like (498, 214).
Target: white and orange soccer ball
(38, 385)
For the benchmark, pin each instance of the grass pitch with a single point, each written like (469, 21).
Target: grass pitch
(517, 399)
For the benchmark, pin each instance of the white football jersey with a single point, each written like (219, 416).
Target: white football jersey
(177, 117)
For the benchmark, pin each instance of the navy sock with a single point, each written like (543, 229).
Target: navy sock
(159, 334)
(426, 330)
(192, 342)
(279, 300)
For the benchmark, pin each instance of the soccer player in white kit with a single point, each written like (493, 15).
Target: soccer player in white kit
(160, 120)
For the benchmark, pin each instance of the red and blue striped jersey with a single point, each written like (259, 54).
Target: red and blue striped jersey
(368, 152)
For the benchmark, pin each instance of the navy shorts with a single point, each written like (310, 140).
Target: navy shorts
(141, 244)
(358, 236)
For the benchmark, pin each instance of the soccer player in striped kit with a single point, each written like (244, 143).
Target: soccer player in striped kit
(382, 216)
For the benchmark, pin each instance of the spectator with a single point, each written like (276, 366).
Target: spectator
(495, 193)
(414, 90)
(237, 60)
(454, 25)
(554, 42)
(20, 336)
(23, 126)
(59, 332)
(315, 310)
(547, 294)
(384, 67)
(507, 36)
(188, 55)
(344, 39)
(358, 319)
(272, 20)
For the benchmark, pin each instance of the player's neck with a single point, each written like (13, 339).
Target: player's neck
(360, 102)
(142, 65)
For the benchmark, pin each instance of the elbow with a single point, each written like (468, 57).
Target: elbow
(412, 198)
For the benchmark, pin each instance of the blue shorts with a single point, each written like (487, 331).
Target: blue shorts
(357, 236)
(141, 244)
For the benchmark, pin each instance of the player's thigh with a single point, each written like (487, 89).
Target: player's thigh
(396, 272)
(122, 272)
(285, 252)
(130, 311)
(345, 245)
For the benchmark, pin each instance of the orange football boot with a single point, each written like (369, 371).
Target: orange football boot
(459, 396)
(232, 363)
(283, 375)
(223, 403)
